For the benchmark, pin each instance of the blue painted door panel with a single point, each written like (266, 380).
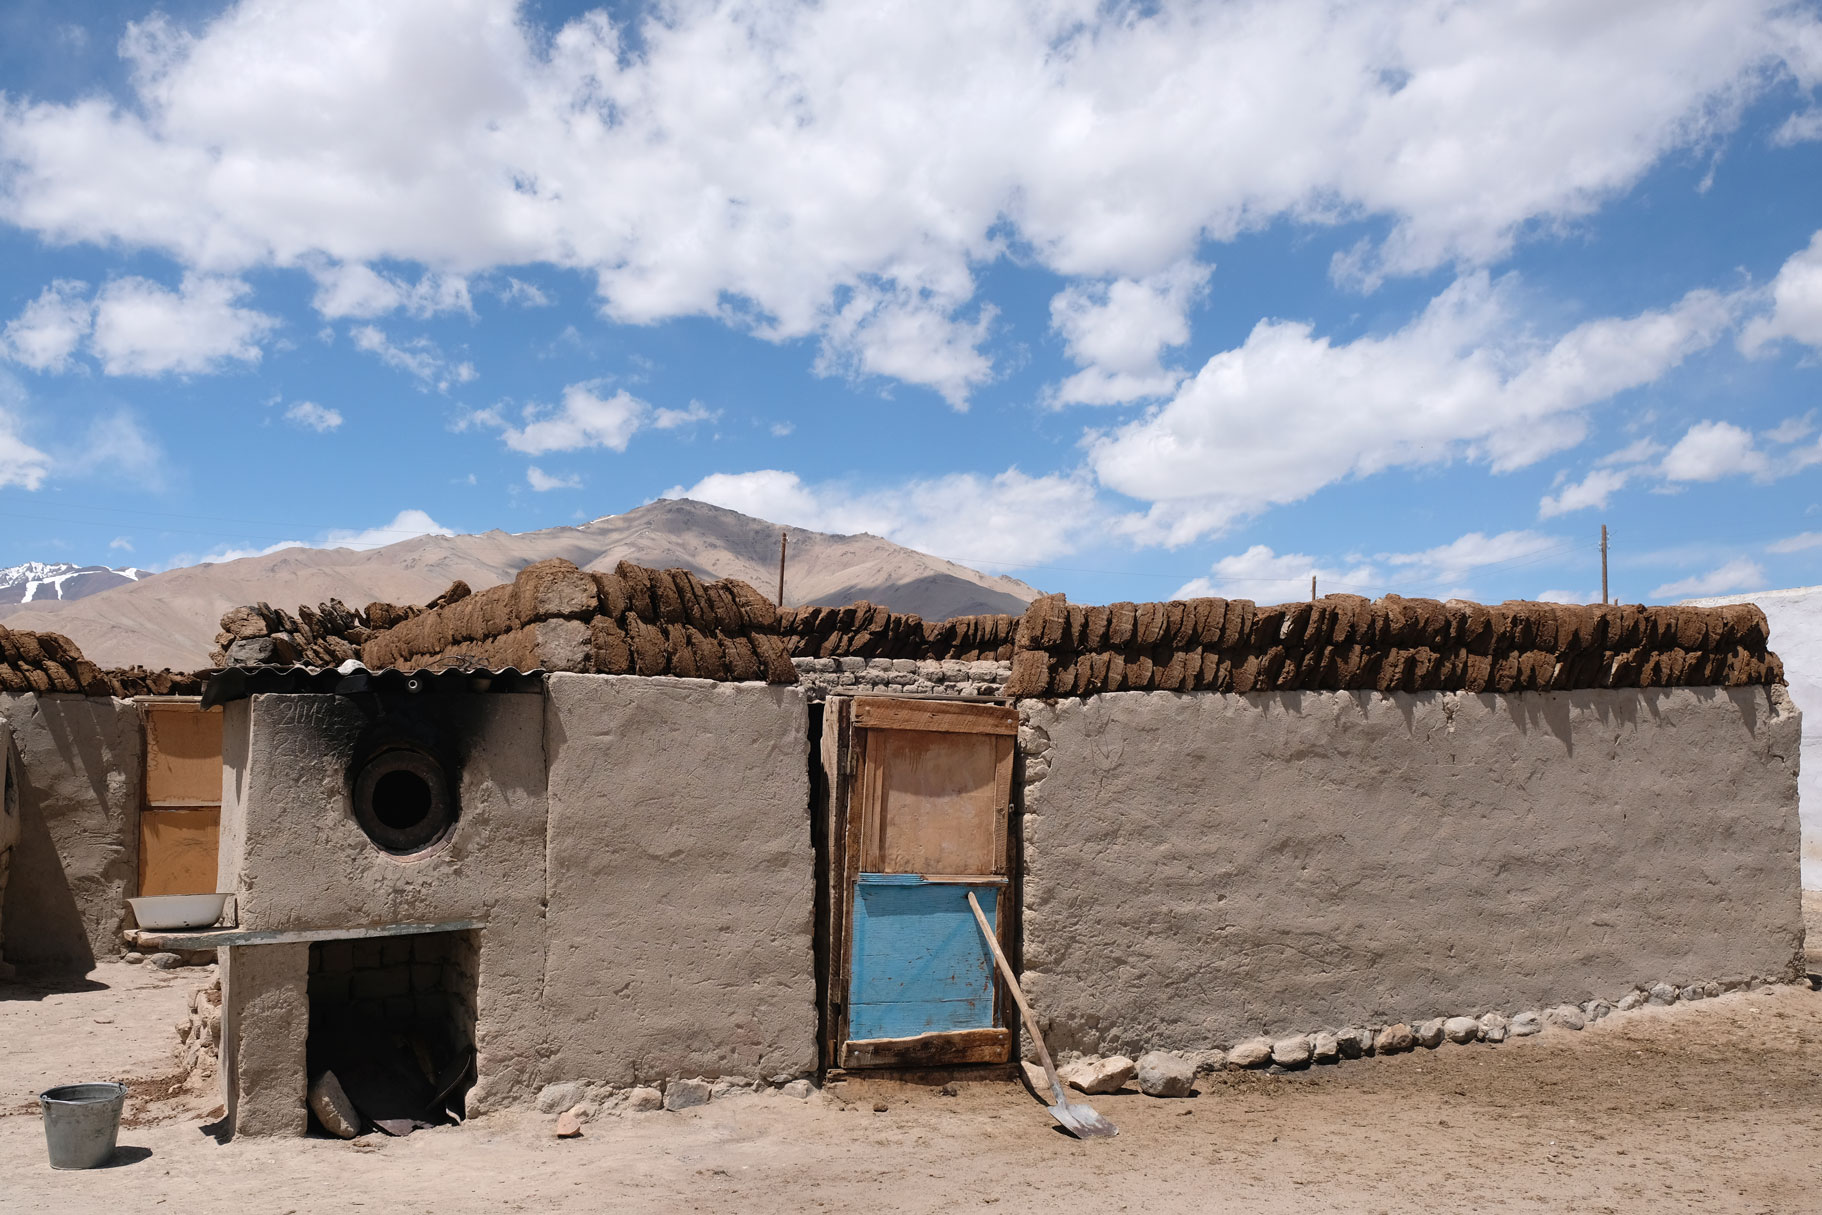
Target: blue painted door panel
(920, 965)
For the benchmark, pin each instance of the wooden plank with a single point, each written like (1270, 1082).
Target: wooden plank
(216, 938)
(834, 758)
(939, 716)
(930, 802)
(183, 755)
(931, 1050)
(920, 965)
(178, 850)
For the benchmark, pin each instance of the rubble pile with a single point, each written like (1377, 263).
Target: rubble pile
(1346, 642)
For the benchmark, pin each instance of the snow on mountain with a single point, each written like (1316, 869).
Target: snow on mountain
(35, 581)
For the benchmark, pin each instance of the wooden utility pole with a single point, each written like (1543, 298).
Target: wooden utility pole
(1312, 588)
(1603, 563)
(785, 539)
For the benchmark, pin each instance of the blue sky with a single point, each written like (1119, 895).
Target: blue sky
(1127, 301)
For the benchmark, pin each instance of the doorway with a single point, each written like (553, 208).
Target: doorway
(916, 809)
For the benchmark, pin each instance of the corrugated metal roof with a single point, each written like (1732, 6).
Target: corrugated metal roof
(236, 683)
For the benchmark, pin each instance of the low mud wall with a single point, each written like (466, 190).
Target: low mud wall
(1204, 868)
(81, 761)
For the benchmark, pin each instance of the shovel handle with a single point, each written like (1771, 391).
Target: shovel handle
(1031, 1022)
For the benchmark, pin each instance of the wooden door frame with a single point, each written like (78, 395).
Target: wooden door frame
(846, 720)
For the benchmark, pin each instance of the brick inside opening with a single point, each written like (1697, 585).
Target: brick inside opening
(394, 1020)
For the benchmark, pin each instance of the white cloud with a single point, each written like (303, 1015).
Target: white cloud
(356, 290)
(1289, 412)
(1592, 490)
(1712, 450)
(1266, 576)
(1006, 521)
(406, 525)
(1796, 297)
(1739, 574)
(315, 417)
(1799, 128)
(122, 543)
(418, 357)
(689, 415)
(1798, 543)
(781, 430)
(21, 464)
(49, 329)
(542, 481)
(142, 328)
(585, 419)
(1559, 596)
(1636, 452)
(841, 172)
(524, 294)
(1117, 331)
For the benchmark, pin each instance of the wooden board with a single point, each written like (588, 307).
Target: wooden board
(178, 850)
(183, 755)
(920, 965)
(942, 716)
(932, 802)
(971, 1046)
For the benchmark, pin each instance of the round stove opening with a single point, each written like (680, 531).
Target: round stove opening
(402, 800)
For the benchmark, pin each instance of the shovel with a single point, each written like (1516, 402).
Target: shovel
(1079, 1120)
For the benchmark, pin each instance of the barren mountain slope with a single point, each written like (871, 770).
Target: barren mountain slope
(170, 619)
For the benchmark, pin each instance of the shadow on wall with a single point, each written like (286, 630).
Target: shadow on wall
(79, 761)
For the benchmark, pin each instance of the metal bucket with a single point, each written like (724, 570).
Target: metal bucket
(81, 1123)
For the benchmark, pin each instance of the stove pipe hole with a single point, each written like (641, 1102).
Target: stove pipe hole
(402, 800)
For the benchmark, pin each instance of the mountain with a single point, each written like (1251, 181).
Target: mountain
(170, 619)
(38, 580)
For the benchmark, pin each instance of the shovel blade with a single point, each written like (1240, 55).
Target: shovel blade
(1082, 1121)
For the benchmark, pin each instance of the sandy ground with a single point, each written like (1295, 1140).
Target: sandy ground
(1715, 1105)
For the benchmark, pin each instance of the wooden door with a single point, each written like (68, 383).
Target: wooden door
(919, 798)
(180, 824)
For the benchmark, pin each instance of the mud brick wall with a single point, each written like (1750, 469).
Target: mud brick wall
(630, 621)
(1345, 642)
(867, 630)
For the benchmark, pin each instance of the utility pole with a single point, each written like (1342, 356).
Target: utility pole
(1603, 563)
(785, 539)
(1312, 588)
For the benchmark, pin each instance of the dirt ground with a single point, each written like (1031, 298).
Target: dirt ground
(1715, 1105)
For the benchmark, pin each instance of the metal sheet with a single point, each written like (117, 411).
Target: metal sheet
(920, 965)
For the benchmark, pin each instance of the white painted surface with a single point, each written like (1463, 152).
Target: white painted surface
(1795, 616)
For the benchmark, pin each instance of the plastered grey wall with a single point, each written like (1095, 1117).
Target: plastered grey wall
(81, 760)
(681, 879)
(296, 857)
(1201, 868)
(265, 1020)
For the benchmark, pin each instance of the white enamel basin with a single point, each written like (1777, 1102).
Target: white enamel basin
(178, 910)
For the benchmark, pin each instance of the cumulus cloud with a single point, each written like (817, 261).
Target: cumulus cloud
(49, 329)
(1742, 573)
(1117, 331)
(1798, 543)
(841, 172)
(142, 328)
(312, 416)
(1289, 412)
(21, 464)
(406, 525)
(1712, 450)
(1001, 522)
(1796, 299)
(584, 419)
(542, 482)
